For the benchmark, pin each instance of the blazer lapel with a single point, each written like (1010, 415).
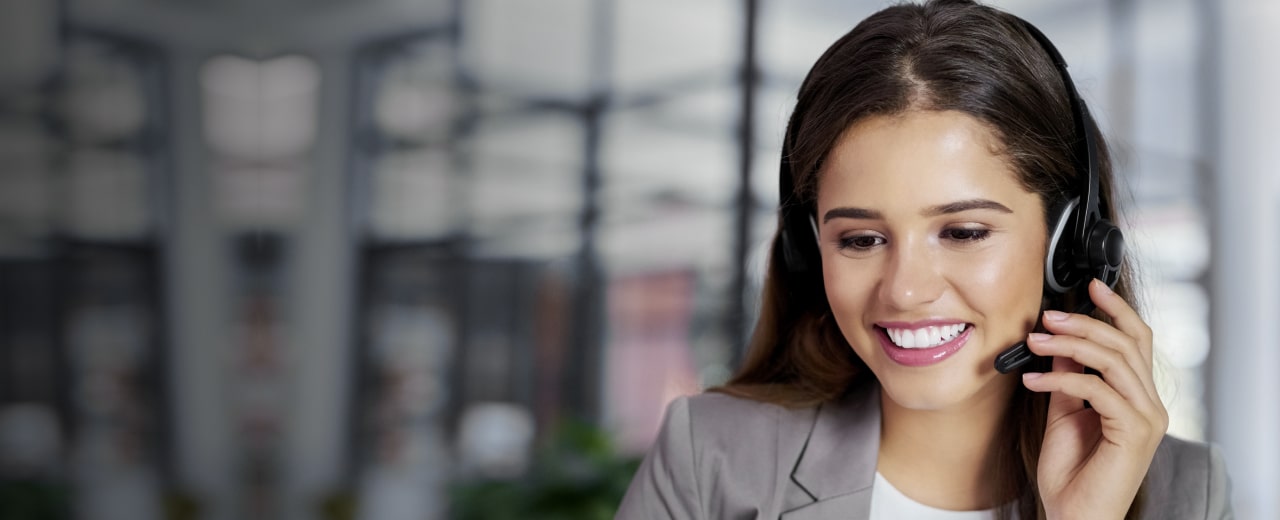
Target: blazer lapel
(838, 463)
(853, 506)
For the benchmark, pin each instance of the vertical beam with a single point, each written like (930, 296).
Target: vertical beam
(196, 290)
(158, 147)
(586, 345)
(749, 77)
(320, 291)
(356, 178)
(459, 269)
(587, 348)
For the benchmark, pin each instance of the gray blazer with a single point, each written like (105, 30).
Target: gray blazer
(720, 457)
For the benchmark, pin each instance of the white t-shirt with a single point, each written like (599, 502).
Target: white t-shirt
(887, 503)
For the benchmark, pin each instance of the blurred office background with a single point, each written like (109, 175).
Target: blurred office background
(329, 259)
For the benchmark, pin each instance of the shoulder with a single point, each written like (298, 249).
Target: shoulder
(735, 442)
(721, 421)
(715, 409)
(717, 456)
(1187, 479)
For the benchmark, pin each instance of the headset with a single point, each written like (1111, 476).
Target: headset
(1083, 242)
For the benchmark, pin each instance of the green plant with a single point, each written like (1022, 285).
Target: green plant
(22, 499)
(180, 505)
(577, 475)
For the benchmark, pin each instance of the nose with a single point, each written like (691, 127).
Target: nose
(912, 277)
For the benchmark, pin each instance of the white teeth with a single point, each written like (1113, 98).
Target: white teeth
(924, 337)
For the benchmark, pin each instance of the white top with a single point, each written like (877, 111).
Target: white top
(888, 503)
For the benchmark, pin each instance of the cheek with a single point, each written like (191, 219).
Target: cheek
(848, 284)
(851, 290)
(1014, 273)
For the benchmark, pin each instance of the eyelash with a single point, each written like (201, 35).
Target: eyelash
(967, 234)
(963, 235)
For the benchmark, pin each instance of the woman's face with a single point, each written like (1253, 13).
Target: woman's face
(932, 255)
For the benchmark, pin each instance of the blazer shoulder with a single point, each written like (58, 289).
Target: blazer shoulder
(726, 421)
(724, 408)
(1187, 479)
(716, 456)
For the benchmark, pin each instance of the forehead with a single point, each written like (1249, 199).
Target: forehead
(924, 157)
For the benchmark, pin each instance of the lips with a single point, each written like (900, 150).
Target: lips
(922, 343)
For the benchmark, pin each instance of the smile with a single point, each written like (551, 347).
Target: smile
(924, 337)
(922, 344)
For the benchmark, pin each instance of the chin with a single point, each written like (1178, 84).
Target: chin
(956, 383)
(935, 396)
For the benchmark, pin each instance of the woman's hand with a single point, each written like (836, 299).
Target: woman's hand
(1094, 459)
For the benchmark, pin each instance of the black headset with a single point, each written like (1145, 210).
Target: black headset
(1083, 242)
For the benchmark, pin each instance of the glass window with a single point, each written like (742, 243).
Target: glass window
(260, 110)
(524, 194)
(107, 194)
(668, 45)
(260, 124)
(531, 49)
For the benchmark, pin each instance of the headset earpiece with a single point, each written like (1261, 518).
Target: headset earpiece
(1060, 274)
(801, 254)
(791, 254)
(795, 216)
(1106, 251)
(1076, 257)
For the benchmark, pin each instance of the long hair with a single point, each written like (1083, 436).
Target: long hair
(942, 55)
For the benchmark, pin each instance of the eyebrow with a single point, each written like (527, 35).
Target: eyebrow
(965, 205)
(933, 211)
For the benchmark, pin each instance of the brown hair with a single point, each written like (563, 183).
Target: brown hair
(942, 55)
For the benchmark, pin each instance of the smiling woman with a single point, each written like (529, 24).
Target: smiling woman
(945, 195)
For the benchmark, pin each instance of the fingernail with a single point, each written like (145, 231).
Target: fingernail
(1031, 376)
(1055, 315)
(1038, 337)
(1103, 285)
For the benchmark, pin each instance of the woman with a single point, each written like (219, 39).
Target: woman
(937, 156)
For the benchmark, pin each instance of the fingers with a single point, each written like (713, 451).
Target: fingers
(1120, 352)
(1117, 413)
(1126, 319)
(1110, 363)
(1062, 404)
(1130, 336)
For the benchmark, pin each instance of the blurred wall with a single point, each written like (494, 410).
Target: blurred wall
(1246, 300)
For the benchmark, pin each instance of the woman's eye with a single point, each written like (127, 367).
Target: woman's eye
(861, 242)
(966, 235)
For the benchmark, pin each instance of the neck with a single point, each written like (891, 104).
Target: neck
(944, 458)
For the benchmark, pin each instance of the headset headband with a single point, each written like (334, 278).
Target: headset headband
(1087, 155)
